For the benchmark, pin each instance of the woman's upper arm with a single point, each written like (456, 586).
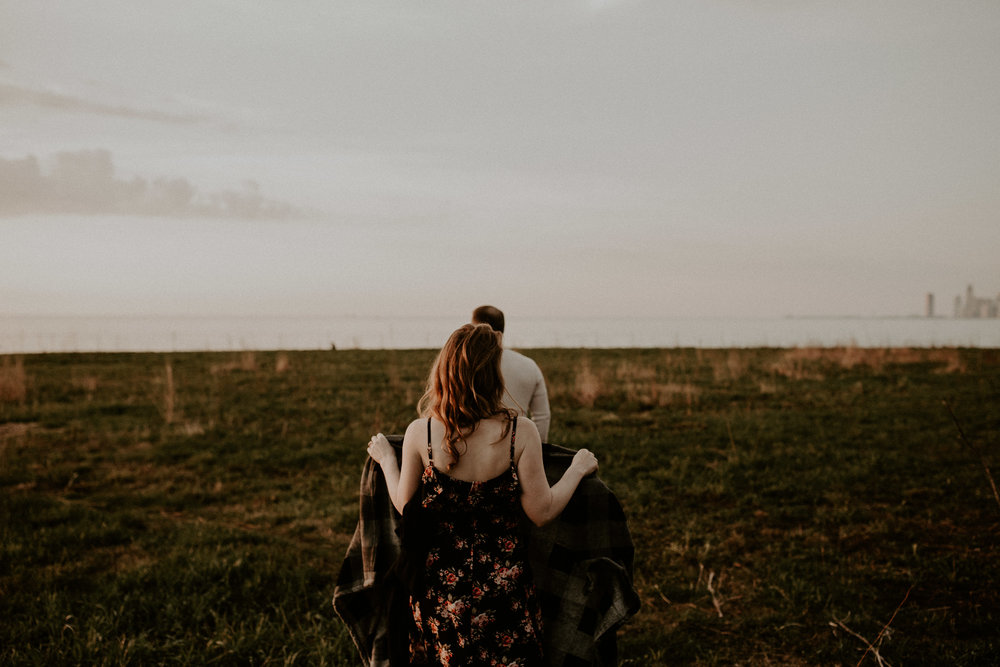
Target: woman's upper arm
(412, 464)
(535, 491)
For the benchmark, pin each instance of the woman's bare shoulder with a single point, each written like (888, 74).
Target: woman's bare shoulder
(527, 427)
(416, 433)
(415, 440)
(527, 437)
(416, 425)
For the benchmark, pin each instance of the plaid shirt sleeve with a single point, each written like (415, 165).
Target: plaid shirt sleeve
(582, 564)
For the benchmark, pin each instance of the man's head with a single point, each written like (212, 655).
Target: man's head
(488, 315)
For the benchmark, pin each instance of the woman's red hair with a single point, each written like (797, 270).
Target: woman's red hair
(465, 384)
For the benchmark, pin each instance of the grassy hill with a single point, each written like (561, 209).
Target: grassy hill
(789, 506)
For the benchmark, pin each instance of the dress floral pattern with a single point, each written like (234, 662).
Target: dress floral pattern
(478, 605)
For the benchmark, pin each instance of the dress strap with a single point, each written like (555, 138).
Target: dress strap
(430, 456)
(513, 432)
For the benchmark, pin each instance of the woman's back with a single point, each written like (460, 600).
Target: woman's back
(484, 452)
(477, 605)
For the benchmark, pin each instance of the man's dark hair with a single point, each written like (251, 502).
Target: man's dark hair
(488, 315)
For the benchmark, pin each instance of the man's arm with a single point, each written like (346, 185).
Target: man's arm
(538, 408)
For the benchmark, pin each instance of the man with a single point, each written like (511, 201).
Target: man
(523, 381)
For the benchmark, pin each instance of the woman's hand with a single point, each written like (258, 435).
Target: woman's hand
(585, 462)
(380, 449)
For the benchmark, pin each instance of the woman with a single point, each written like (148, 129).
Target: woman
(472, 460)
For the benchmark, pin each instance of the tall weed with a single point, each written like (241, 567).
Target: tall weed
(13, 381)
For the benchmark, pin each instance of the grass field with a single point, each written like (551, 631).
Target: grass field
(788, 506)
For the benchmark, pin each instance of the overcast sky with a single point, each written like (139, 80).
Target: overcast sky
(665, 158)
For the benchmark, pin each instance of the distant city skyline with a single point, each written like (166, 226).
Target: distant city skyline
(973, 306)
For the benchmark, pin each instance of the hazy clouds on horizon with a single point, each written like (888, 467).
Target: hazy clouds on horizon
(84, 183)
(684, 157)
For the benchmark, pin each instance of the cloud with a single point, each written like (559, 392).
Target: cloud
(83, 182)
(12, 95)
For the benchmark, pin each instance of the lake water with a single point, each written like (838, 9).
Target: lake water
(33, 334)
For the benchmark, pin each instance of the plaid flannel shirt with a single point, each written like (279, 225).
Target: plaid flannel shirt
(582, 565)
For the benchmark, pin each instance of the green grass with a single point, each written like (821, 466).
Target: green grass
(194, 508)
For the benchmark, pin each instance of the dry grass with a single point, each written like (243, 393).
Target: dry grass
(13, 381)
(637, 384)
(800, 363)
(807, 363)
(727, 365)
(169, 394)
(675, 380)
(281, 363)
(14, 430)
(246, 361)
(88, 384)
(588, 385)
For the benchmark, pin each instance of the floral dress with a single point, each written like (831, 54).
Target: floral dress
(478, 605)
